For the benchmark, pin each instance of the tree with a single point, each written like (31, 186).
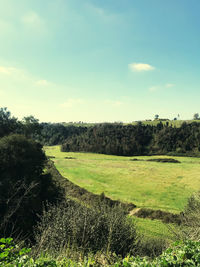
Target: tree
(156, 117)
(31, 126)
(196, 116)
(23, 186)
(8, 124)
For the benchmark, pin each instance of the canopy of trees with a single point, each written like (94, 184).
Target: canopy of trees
(137, 139)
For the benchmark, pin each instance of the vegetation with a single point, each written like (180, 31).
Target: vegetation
(68, 225)
(190, 227)
(56, 133)
(155, 185)
(8, 124)
(45, 133)
(81, 195)
(179, 254)
(23, 185)
(129, 140)
(90, 229)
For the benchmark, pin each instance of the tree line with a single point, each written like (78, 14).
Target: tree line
(108, 138)
(45, 133)
(129, 140)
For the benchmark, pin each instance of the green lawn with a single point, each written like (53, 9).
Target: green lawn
(155, 228)
(154, 185)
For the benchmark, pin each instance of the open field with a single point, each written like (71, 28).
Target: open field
(154, 185)
(155, 228)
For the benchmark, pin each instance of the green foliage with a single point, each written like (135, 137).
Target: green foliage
(196, 116)
(25, 156)
(11, 253)
(166, 217)
(139, 139)
(114, 139)
(190, 226)
(31, 126)
(56, 133)
(8, 124)
(150, 246)
(180, 254)
(23, 186)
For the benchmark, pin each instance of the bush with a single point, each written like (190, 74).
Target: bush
(179, 254)
(190, 226)
(23, 186)
(89, 229)
(164, 216)
(150, 246)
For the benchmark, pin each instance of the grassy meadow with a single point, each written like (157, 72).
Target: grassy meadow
(165, 186)
(155, 228)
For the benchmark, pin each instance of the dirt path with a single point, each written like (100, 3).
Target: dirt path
(134, 211)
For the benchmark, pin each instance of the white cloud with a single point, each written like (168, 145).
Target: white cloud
(102, 13)
(7, 70)
(160, 87)
(16, 73)
(22, 76)
(114, 103)
(71, 102)
(43, 82)
(137, 67)
(34, 21)
(154, 88)
(169, 85)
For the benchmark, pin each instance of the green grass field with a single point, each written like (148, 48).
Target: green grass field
(155, 228)
(165, 186)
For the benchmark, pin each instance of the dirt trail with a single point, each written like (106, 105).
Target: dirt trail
(134, 211)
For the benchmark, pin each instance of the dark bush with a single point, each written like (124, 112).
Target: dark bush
(151, 247)
(165, 160)
(23, 185)
(164, 216)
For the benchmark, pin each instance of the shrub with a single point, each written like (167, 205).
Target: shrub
(89, 229)
(190, 226)
(179, 254)
(23, 186)
(150, 246)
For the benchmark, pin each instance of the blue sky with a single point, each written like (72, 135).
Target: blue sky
(100, 60)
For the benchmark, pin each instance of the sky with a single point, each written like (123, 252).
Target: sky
(100, 60)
